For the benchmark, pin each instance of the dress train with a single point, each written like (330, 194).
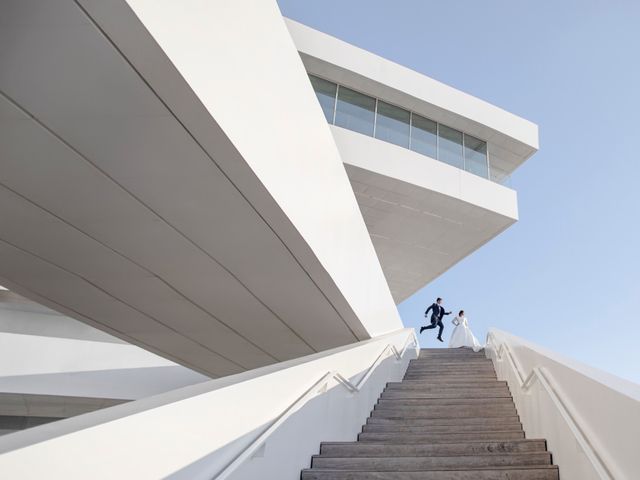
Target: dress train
(462, 335)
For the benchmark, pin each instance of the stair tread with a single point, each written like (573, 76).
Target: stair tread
(449, 418)
(442, 428)
(523, 441)
(452, 401)
(426, 422)
(513, 473)
(440, 437)
(396, 463)
(478, 468)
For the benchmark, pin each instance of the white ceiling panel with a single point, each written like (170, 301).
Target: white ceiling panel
(418, 233)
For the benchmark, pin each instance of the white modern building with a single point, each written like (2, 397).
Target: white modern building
(208, 214)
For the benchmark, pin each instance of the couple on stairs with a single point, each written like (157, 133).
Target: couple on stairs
(462, 335)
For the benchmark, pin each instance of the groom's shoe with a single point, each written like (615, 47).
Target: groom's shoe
(421, 329)
(440, 338)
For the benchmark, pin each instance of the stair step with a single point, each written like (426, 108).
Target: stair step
(450, 418)
(446, 401)
(428, 422)
(451, 367)
(448, 375)
(440, 374)
(443, 373)
(438, 377)
(449, 351)
(453, 357)
(361, 449)
(461, 362)
(438, 413)
(438, 437)
(495, 473)
(497, 427)
(409, 384)
(440, 380)
(417, 379)
(447, 411)
(472, 357)
(452, 360)
(465, 407)
(395, 464)
(444, 368)
(434, 371)
(446, 393)
(451, 364)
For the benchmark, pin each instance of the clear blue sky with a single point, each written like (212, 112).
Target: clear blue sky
(567, 275)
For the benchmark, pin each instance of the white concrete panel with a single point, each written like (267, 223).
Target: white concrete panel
(23, 355)
(20, 315)
(100, 266)
(274, 121)
(83, 301)
(127, 383)
(127, 206)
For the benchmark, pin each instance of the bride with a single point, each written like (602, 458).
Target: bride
(462, 335)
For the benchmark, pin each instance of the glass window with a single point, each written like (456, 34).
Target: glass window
(450, 146)
(424, 136)
(355, 111)
(326, 93)
(475, 156)
(392, 124)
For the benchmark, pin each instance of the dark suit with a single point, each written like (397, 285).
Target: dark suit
(437, 312)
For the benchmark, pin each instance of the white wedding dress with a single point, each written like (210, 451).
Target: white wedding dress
(462, 335)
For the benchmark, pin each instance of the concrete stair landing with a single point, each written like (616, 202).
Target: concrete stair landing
(449, 419)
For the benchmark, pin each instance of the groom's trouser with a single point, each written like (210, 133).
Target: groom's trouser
(433, 325)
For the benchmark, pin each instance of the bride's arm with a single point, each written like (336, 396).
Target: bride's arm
(455, 321)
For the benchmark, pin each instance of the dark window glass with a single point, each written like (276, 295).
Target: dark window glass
(450, 146)
(326, 93)
(392, 124)
(424, 136)
(475, 156)
(355, 111)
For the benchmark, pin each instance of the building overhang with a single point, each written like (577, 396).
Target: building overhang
(153, 186)
(511, 139)
(424, 216)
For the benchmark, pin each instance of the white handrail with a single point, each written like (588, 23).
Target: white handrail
(544, 377)
(231, 467)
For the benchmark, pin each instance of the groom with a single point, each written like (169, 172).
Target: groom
(437, 312)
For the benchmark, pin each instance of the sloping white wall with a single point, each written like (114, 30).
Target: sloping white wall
(168, 177)
(241, 62)
(589, 418)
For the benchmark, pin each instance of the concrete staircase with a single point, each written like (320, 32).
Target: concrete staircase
(449, 419)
